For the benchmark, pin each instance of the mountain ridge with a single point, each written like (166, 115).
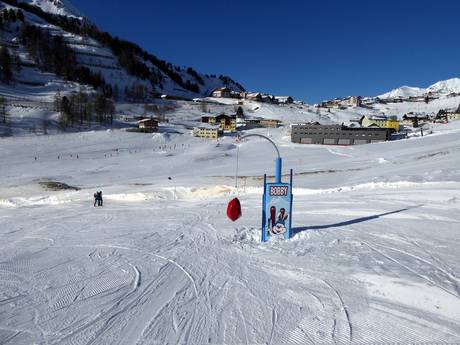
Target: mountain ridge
(447, 86)
(59, 7)
(120, 63)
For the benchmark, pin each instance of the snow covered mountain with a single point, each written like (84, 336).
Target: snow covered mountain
(59, 7)
(404, 91)
(446, 86)
(117, 64)
(442, 87)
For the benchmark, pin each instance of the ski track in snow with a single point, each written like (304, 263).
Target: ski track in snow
(161, 263)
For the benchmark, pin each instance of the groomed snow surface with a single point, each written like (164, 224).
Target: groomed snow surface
(374, 258)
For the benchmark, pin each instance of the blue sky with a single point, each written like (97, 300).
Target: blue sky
(312, 50)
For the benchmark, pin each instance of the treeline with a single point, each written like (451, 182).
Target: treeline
(83, 108)
(52, 54)
(10, 16)
(127, 52)
(195, 75)
(6, 73)
(227, 81)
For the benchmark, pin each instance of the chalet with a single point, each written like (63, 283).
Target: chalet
(227, 123)
(444, 116)
(453, 116)
(268, 98)
(207, 131)
(382, 121)
(416, 99)
(254, 96)
(222, 92)
(352, 101)
(415, 120)
(334, 103)
(284, 99)
(148, 125)
(269, 123)
(261, 122)
(337, 103)
(431, 96)
(315, 133)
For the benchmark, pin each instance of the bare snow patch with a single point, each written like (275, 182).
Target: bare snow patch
(420, 296)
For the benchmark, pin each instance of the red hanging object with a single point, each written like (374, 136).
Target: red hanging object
(234, 209)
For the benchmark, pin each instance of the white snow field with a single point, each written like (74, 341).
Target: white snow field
(374, 259)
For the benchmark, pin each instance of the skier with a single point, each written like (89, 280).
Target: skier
(96, 198)
(100, 202)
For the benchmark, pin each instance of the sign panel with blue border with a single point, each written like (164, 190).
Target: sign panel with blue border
(277, 210)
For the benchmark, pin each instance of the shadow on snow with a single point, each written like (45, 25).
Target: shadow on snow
(351, 221)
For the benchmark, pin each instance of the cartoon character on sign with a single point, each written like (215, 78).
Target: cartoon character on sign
(277, 225)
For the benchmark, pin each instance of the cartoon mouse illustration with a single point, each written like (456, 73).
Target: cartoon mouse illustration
(276, 224)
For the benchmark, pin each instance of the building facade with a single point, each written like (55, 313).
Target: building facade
(390, 122)
(415, 120)
(227, 123)
(269, 123)
(453, 116)
(148, 125)
(314, 133)
(222, 92)
(284, 99)
(207, 131)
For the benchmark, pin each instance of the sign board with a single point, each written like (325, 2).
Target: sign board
(277, 210)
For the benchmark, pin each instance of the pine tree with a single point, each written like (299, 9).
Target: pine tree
(6, 15)
(17, 61)
(57, 102)
(12, 15)
(6, 74)
(239, 112)
(3, 108)
(116, 93)
(65, 111)
(20, 16)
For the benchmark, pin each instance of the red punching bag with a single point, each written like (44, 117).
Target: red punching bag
(234, 209)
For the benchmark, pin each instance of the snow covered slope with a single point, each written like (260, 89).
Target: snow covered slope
(442, 87)
(446, 86)
(374, 258)
(117, 70)
(60, 7)
(405, 92)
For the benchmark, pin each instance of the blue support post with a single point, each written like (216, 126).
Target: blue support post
(279, 165)
(263, 237)
(292, 198)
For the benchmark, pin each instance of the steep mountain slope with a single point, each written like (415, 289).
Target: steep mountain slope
(60, 7)
(121, 64)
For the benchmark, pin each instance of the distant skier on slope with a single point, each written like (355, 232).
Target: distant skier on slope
(98, 199)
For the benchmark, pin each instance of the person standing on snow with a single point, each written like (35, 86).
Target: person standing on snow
(96, 198)
(100, 202)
